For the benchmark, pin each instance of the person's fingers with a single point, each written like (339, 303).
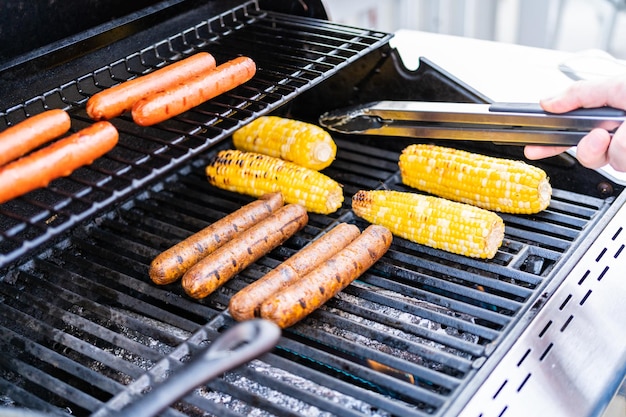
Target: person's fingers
(533, 152)
(617, 149)
(592, 150)
(592, 93)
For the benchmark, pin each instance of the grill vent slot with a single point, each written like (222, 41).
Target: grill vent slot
(565, 342)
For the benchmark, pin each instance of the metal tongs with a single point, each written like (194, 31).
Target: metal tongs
(511, 123)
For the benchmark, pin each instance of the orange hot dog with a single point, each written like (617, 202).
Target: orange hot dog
(118, 99)
(290, 305)
(245, 305)
(233, 257)
(57, 160)
(193, 92)
(171, 264)
(27, 135)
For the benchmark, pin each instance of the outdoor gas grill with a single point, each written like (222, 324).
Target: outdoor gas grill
(83, 331)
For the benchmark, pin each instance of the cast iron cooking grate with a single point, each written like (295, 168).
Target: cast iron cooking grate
(82, 325)
(292, 55)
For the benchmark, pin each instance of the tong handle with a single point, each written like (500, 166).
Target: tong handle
(536, 108)
(240, 344)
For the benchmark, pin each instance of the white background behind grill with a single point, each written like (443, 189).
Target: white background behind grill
(569, 25)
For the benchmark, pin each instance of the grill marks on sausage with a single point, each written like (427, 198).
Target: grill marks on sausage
(290, 305)
(118, 99)
(246, 303)
(57, 160)
(192, 91)
(214, 270)
(19, 139)
(171, 264)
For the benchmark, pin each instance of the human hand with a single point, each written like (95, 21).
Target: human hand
(597, 148)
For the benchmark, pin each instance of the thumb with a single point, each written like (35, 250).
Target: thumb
(560, 104)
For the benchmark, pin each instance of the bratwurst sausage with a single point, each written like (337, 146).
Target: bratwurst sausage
(27, 135)
(290, 305)
(233, 257)
(171, 264)
(57, 160)
(246, 303)
(118, 99)
(193, 92)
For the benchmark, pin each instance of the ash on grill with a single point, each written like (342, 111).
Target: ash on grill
(293, 404)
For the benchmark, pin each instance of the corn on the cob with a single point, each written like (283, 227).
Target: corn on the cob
(303, 143)
(257, 174)
(491, 183)
(433, 221)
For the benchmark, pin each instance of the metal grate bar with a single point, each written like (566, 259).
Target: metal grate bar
(450, 342)
(316, 51)
(40, 376)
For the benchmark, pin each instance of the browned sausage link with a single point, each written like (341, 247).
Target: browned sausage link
(118, 99)
(27, 135)
(171, 264)
(246, 303)
(56, 160)
(193, 92)
(233, 257)
(292, 304)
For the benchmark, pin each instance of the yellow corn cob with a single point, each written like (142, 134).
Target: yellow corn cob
(491, 183)
(433, 221)
(257, 174)
(292, 140)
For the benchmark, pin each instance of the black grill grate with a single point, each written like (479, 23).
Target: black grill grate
(83, 321)
(292, 55)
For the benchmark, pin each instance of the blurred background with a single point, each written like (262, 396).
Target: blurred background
(569, 25)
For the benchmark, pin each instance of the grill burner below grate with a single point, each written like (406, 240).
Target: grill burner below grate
(82, 321)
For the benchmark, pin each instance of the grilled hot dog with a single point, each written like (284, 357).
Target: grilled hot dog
(171, 264)
(27, 135)
(290, 305)
(57, 160)
(246, 303)
(233, 257)
(193, 92)
(118, 99)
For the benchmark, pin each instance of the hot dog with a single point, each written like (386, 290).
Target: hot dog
(193, 92)
(27, 135)
(290, 305)
(118, 99)
(246, 303)
(233, 257)
(171, 264)
(57, 160)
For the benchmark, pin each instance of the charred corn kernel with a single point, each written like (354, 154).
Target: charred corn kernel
(256, 174)
(491, 183)
(433, 221)
(302, 143)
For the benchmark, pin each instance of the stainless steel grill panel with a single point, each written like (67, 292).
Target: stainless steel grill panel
(574, 351)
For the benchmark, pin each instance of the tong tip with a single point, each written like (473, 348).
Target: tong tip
(350, 121)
